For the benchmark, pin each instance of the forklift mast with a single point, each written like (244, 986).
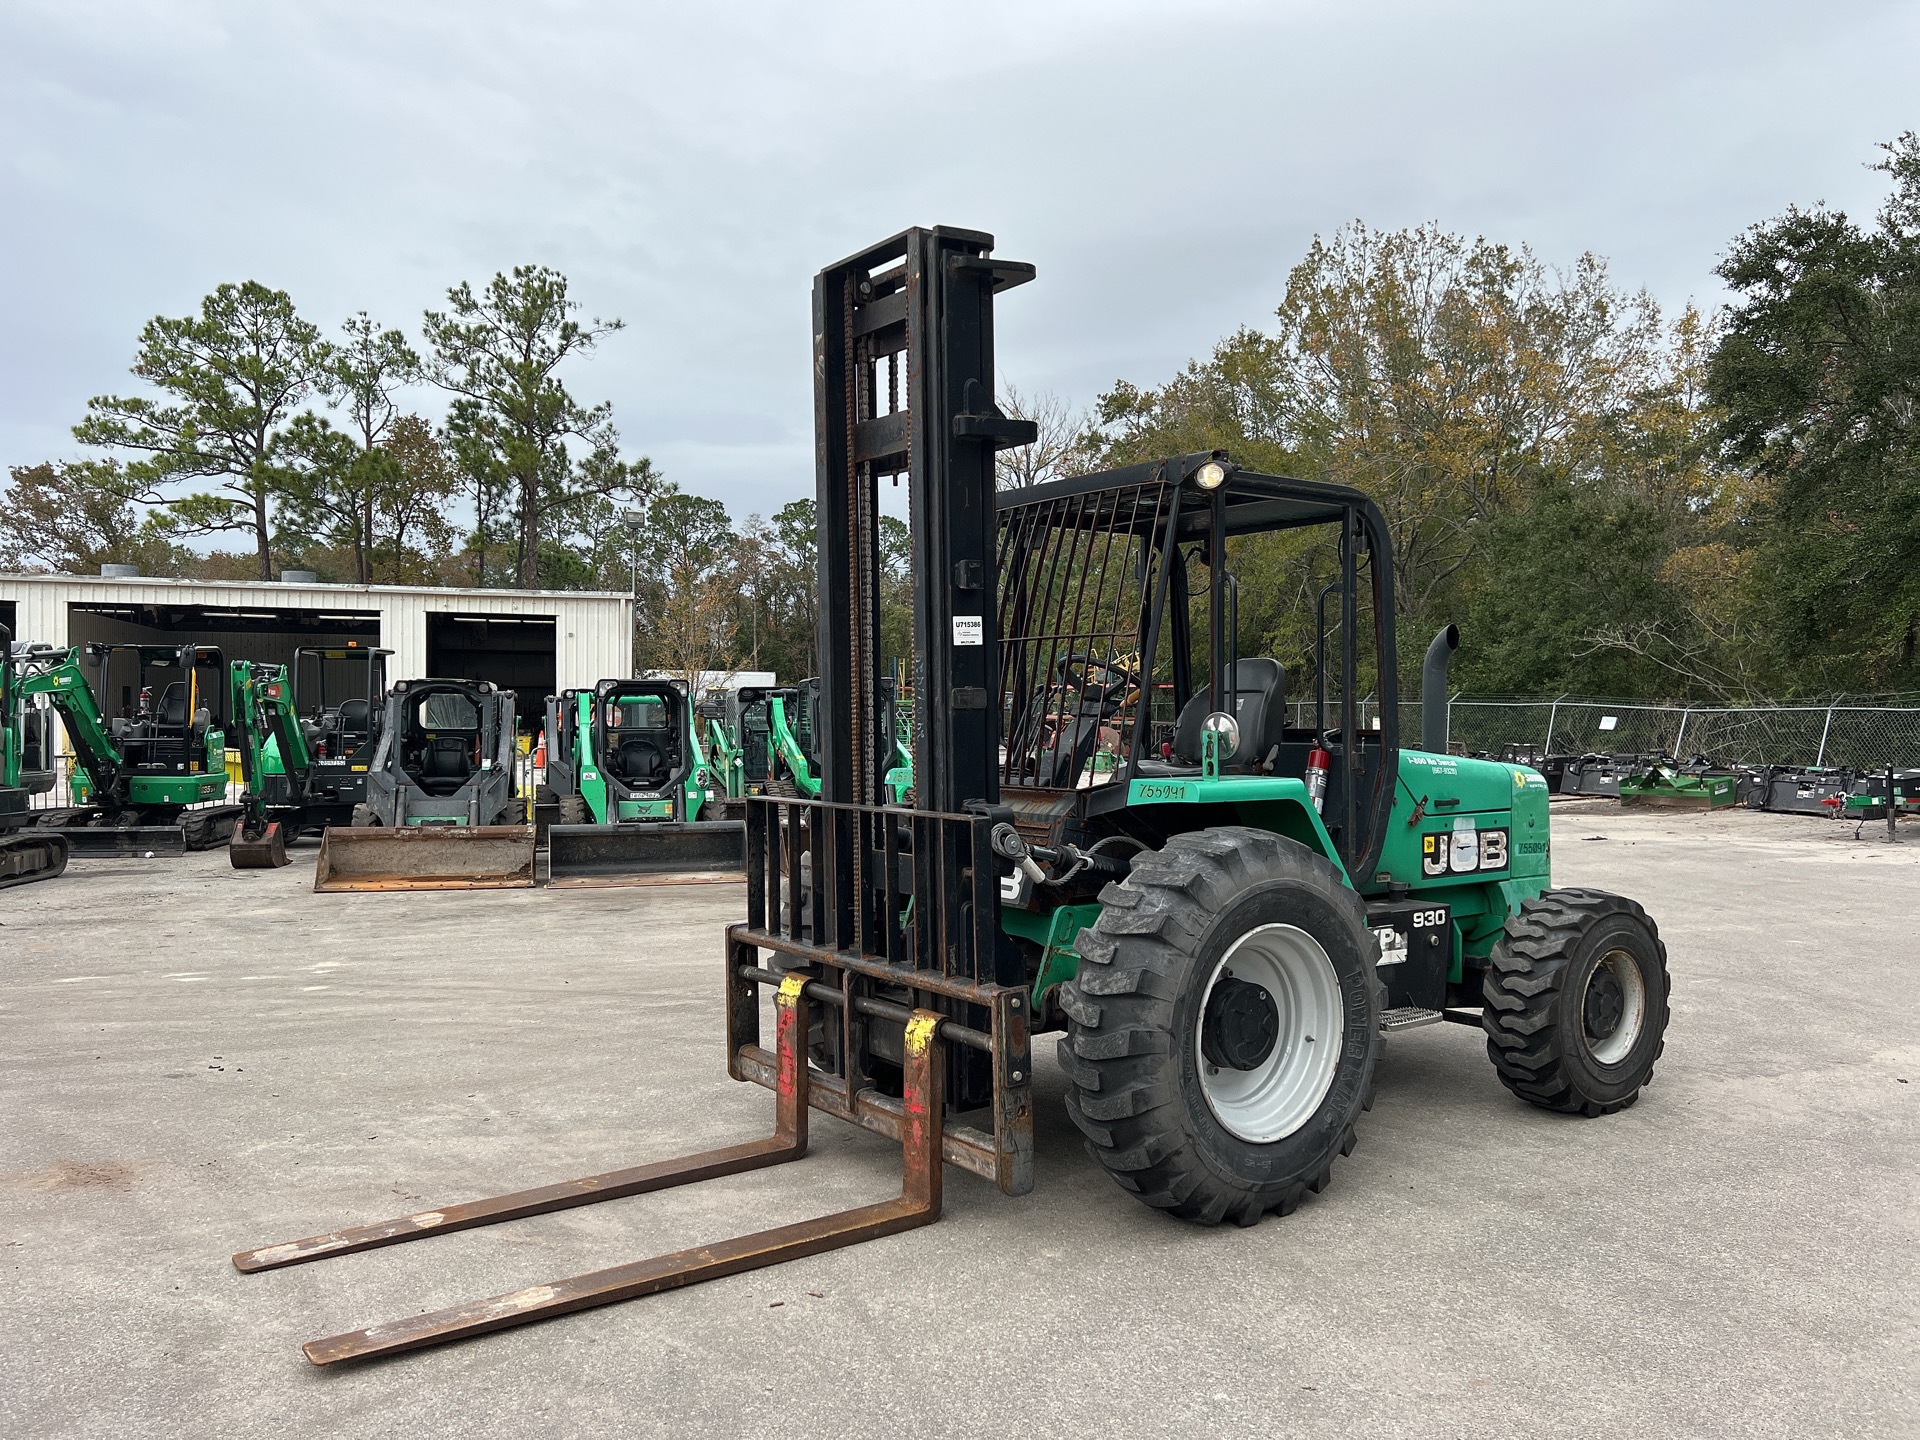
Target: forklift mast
(904, 385)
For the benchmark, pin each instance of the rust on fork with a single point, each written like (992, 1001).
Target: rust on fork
(918, 1203)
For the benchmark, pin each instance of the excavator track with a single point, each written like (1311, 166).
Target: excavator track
(31, 856)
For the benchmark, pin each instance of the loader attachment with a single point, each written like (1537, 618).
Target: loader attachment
(657, 853)
(92, 833)
(425, 857)
(88, 842)
(917, 1204)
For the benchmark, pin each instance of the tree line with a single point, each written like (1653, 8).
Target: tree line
(1609, 499)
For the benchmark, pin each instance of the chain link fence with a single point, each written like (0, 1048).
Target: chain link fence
(1856, 734)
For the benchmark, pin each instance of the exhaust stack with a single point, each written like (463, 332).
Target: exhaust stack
(1433, 690)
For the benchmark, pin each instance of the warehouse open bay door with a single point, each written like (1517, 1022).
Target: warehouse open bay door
(515, 652)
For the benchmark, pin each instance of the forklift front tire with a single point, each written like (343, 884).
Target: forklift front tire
(1223, 1030)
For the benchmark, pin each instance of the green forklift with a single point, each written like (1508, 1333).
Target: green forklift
(634, 785)
(26, 769)
(148, 728)
(1225, 925)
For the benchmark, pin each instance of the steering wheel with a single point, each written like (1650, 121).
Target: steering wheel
(1119, 677)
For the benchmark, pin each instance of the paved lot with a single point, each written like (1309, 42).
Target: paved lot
(193, 1061)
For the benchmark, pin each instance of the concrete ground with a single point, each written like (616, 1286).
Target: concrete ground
(194, 1061)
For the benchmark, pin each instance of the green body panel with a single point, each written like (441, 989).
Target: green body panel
(1439, 802)
(1053, 932)
(178, 789)
(270, 762)
(1441, 797)
(1278, 803)
(783, 742)
(900, 777)
(593, 785)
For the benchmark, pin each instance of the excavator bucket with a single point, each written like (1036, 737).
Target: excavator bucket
(265, 849)
(655, 853)
(425, 857)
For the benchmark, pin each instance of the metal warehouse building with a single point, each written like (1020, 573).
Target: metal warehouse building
(533, 642)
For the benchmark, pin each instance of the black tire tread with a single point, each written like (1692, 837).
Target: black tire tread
(1124, 1100)
(1522, 995)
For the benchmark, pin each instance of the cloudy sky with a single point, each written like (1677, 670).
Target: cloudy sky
(690, 166)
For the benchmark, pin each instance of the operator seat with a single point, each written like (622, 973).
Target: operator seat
(172, 709)
(1259, 704)
(640, 762)
(446, 764)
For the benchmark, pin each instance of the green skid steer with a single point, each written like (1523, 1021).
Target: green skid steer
(633, 783)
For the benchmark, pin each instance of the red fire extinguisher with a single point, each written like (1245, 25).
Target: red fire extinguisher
(1317, 762)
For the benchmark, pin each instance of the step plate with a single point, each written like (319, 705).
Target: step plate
(1408, 1017)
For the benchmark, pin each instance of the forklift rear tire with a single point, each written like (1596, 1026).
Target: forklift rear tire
(1576, 1002)
(1224, 1029)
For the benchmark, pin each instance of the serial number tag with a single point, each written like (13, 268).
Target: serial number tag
(969, 630)
(1151, 791)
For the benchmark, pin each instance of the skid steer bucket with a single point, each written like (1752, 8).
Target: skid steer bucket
(661, 853)
(426, 857)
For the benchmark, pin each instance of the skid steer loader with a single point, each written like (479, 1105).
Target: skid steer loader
(634, 786)
(443, 799)
(1223, 925)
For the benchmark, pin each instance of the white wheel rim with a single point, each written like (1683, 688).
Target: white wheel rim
(1613, 1047)
(1283, 1092)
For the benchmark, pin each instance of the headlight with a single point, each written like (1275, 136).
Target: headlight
(1210, 476)
(1227, 728)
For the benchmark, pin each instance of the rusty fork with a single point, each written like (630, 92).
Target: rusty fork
(917, 1204)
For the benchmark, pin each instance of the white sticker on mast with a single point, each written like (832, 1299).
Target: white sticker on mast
(969, 630)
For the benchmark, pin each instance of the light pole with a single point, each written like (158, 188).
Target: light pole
(632, 519)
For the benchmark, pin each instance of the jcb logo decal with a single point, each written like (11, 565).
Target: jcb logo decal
(1462, 852)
